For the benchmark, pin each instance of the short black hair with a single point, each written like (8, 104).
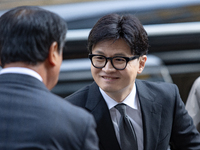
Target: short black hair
(114, 26)
(27, 32)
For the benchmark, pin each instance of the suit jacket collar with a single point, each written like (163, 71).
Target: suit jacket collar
(22, 79)
(151, 116)
(21, 70)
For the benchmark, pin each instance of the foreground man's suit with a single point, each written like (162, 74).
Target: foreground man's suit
(163, 113)
(31, 117)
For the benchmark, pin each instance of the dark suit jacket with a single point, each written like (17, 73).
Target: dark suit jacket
(31, 117)
(164, 117)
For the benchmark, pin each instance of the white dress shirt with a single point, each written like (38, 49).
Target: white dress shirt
(133, 111)
(21, 70)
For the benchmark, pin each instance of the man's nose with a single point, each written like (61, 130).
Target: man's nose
(108, 67)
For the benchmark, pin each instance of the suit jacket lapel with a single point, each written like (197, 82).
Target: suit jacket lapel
(105, 130)
(151, 115)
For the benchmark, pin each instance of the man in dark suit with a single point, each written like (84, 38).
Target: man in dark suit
(153, 113)
(31, 117)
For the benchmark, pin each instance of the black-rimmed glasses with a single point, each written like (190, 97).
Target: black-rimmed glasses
(118, 62)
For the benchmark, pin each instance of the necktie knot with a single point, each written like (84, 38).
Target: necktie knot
(121, 108)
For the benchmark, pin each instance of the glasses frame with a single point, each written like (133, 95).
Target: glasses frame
(111, 60)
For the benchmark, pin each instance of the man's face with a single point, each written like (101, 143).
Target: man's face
(109, 79)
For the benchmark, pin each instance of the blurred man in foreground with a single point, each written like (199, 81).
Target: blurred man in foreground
(31, 44)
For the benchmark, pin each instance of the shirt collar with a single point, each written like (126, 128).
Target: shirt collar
(21, 70)
(130, 100)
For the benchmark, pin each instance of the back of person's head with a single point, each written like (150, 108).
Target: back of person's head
(27, 32)
(114, 26)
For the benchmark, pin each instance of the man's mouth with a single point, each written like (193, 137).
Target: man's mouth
(109, 78)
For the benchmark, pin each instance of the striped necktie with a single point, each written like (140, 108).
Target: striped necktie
(128, 137)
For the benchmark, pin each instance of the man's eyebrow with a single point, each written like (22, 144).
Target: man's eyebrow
(117, 54)
(99, 52)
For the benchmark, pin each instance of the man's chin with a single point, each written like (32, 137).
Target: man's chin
(108, 89)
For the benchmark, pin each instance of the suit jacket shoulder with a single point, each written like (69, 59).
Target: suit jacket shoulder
(79, 97)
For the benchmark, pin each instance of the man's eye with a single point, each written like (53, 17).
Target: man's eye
(99, 57)
(120, 59)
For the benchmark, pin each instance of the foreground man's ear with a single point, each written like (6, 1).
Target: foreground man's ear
(142, 61)
(53, 53)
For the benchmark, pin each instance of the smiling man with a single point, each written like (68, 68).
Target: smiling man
(131, 114)
(117, 84)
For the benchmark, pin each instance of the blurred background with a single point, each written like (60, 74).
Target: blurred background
(173, 27)
(7, 4)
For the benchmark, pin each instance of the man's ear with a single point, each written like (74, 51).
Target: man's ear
(142, 61)
(53, 53)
